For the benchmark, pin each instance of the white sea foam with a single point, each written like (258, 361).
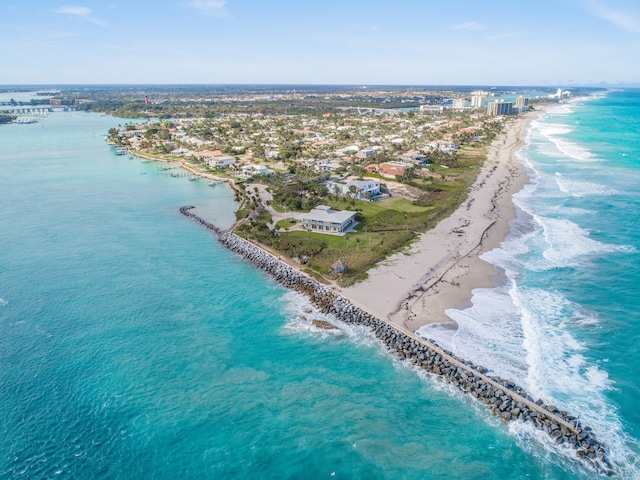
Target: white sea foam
(489, 333)
(512, 349)
(554, 358)
(568, 244)
(572, 150)
(562, 109)
(540, 445)
(553, 133)
(515, 245)
(577, 188)
(535, 348)
(548, 129)
(569, 211)
(526, 335)
(3, 302)
(300, 314)
(598, 95)
(557, 185)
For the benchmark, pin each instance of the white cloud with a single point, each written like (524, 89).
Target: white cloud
(623, 20)
(77, 11)
(212, 8)
(80, 12)
(467, 26)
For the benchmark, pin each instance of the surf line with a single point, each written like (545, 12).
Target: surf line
(502, 397)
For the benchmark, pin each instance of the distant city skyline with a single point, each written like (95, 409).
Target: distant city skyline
(460, 42)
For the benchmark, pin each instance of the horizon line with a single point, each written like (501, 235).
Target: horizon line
(357, 85)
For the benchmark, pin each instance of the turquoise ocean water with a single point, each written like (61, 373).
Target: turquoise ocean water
(564, 321)
(133, 346)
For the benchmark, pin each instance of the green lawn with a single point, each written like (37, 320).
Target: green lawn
(385, 226)
(370, 209)
(286, 223)
(350, 241)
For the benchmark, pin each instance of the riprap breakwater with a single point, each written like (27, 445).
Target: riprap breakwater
(502, 397)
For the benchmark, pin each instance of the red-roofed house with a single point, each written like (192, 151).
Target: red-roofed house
(390, 169)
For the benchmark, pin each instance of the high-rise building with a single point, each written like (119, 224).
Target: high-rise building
(522, 102)
(500, 107)
(477, 101)
(460, 103)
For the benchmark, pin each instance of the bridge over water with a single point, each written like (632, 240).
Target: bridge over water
(24, 110)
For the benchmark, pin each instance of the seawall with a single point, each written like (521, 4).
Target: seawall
(502, 397)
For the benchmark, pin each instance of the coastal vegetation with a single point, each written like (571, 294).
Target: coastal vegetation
(384, 226)
(7, 118)
(281, 149)
(309, 140)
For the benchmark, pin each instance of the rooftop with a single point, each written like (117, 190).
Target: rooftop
(323, 213)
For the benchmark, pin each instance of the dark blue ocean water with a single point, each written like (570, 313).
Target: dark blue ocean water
(133, 346)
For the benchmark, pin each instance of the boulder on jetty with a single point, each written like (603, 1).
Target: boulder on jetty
(502, 397)
(323, 324)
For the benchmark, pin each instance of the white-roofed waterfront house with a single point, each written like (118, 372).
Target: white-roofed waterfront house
(362, 189)
(324, 220)
(222, 161)
(256, 170)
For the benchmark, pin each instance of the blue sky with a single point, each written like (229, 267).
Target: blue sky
(407, 42)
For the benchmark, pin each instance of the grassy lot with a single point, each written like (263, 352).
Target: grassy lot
(286, 223)
(370, 209)
(357, 241)
(383, 227)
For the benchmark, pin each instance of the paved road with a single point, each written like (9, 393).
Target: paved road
(265, 197)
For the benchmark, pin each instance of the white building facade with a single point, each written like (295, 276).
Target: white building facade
(362, 189)
(324, 220)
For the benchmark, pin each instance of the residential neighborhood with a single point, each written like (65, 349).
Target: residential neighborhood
(332, 182)
(381, 141)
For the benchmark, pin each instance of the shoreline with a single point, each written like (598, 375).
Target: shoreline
(441, 269)
(502, 397)
(186, 167)
(415, 287)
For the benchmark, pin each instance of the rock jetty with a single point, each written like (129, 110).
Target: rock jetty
(185, 211)
(502, 397)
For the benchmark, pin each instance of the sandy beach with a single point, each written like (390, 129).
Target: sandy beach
(439, 271)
